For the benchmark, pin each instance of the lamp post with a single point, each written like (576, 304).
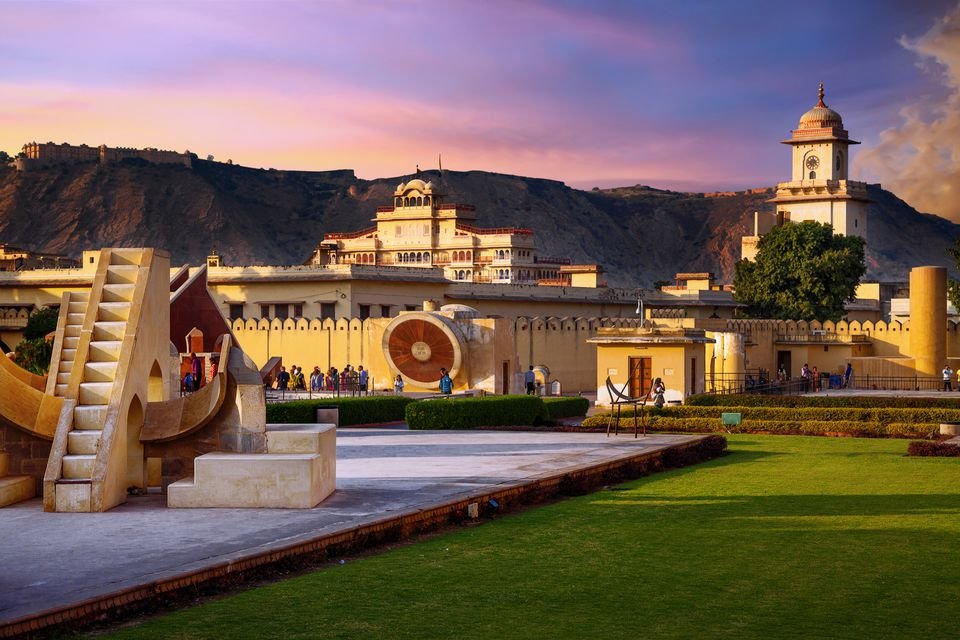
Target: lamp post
(639, 310)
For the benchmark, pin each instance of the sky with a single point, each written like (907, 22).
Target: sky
(683, 94)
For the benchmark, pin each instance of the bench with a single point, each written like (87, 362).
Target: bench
(617, 399)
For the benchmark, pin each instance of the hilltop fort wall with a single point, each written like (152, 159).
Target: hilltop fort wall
(42, 154)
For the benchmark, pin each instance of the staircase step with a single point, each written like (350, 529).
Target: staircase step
(113, 311)
(66, 366)
(73, 496)
(15, 489)
(72, 330)
(122, 274)
(71, 342)
(80, 296)
(104, 351)
(99, 371)
(95, 392)
(78, 466)
(126, 257)
(89, 417)
(76, 307)
(76, 318)
(117, 293)
(108, 330)
(83, 441)
(67, 355)
(63, 377)
(60, 390)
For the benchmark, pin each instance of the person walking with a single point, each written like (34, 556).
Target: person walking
(446, 383)
(364, 377)
(947, 377)
(816, 378)
(283, 379)
(398, 384)
(847, 375)
(530, 379)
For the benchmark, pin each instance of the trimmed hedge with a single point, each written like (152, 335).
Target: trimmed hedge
(925, 448)
(781, 414)
(711, 400)
(468, 413)
(564, 407)
(369, 410)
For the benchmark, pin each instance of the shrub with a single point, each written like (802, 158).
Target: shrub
(40, 323)
(369, 410)
(567, 407)
(34, 355)
(926, 448)
(469, 413)
(819, 414)
(710, 400)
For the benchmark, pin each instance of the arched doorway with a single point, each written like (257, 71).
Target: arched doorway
(136, 470)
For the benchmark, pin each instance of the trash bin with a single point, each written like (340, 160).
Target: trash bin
(329, 414)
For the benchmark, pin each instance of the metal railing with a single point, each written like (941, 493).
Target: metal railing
(758, 383)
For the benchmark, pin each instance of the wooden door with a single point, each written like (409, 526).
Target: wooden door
(641, 370)
(505, 378)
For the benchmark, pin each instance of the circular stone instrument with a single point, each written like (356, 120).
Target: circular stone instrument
(417, 345)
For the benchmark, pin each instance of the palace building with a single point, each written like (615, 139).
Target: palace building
(819, 189)
(421, 230)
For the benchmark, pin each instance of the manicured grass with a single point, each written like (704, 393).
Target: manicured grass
(786, 537)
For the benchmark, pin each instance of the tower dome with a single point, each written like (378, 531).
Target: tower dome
(820, 116)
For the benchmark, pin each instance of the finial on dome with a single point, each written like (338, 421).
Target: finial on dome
(820, 96)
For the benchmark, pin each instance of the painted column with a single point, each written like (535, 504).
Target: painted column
(928, 319)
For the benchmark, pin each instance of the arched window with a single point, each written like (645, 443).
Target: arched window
(419, 201)
(813, 175)
(363, 258)
(406, 202)
(399, 202)
(399, 257)
(426, 200)
(469, 255)
(426, 256)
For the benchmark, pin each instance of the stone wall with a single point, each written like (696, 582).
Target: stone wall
(28, 453)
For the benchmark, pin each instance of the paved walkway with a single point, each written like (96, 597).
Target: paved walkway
(49, 560)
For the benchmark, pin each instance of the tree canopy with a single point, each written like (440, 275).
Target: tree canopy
(802, 272)
(40, 323)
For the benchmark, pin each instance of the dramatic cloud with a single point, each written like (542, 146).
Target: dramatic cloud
(919, 160)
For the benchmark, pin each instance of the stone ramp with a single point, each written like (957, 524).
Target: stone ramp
(390, 484)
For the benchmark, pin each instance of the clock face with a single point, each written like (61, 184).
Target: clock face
(813, 162)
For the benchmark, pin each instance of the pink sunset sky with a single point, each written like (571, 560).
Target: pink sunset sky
(686, 95)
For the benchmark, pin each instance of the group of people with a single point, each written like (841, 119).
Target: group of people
(948, 378)
(349, 379)
(811, 379)
(195, 378)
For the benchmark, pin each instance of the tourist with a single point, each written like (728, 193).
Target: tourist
(187, 386)
(196, 368)
(214, 366)
(782, 374)
(363, 376)
(316, 379)
(345, 378)
(847, 375)
(947, 377)
(446, 383)
(299, 382)
(530, 378)
(816, 379)
(333, 377)
(657, 393)
(283, 379)
(398, 384)
(805, 378)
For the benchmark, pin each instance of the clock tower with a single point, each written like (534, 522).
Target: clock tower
(819, 189)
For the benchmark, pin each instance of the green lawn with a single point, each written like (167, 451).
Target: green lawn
(785, 537)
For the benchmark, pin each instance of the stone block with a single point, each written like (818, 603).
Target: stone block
(302, 438)
(242, 480)
(15, 489)
(73, 497)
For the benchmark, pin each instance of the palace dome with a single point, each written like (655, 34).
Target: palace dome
(820, 116)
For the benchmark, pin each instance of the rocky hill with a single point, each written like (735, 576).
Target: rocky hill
(252, 216)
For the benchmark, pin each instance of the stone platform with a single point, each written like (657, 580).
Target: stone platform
(59, 567)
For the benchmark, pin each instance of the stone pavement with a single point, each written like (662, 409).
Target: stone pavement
(52, 560)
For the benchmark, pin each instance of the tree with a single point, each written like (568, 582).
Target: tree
(802, 272)
(953, 286)
(5, 157)
(34, 355)
(40, 323)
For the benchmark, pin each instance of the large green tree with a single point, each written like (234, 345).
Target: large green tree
(802, 272)
(953, 286)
